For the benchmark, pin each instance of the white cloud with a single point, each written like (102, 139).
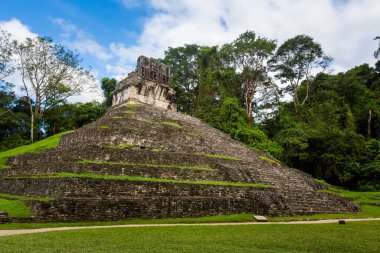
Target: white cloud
(344, 28)
(77, 39)
(18, 30)
(119, 71)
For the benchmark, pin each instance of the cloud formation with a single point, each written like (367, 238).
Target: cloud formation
(344, 28)
(18, 30)
(76, 38)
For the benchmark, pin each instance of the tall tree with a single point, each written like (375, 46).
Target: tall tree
(50, 74)
(183, 62)
(108, 86)
(6, 67)
(377, 52)
(377, 55)
(249, 53)
(296, 61)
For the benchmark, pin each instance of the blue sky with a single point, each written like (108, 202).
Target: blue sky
(102, 21)
(111, 34)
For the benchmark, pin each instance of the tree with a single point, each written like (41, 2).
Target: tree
(377, 52)
(6, 67)
(184, 64)
(377, 55)
(50, 74)
(13, 119)
(108, 86)
(249, 54)
(71, 116)
(295, 62)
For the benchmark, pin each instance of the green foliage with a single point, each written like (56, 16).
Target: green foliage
(231, 118)
(14, 208)
(14, 119)
(147, 179)
(50, 142)
(183, 63)
(170, 123)
(294, 63)
(326, 137)
(71, 116)
(248, 53)
(108, 86)
(50, 74)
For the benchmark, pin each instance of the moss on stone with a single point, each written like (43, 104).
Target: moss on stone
(226, 157)
(170, 123)
(145, 179)
(152, 165)
(267, 159)
(20, 197)
(104, 127)
(129, 112)
(121, 146)
(133, 105)
(117, 117)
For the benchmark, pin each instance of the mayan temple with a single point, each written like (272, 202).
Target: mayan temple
(143, 159)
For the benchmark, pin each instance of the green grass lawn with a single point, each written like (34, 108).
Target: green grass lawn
(352, 237)
(243, 217)
(50, 142)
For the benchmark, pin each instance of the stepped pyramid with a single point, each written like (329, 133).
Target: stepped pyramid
(143, 159)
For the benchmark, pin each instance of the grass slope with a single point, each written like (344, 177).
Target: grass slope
(352, 237)
(14, 208)
(50, 142)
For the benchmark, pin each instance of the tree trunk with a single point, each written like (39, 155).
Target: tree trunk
(249, 112)
(32, 127)
(369, 123)
(31, 120)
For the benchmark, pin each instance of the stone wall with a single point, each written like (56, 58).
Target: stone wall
(93, 199)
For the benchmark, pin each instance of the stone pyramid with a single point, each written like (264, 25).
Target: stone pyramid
(143, 159)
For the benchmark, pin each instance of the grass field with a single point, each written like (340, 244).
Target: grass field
(50, 142)
(352, 237)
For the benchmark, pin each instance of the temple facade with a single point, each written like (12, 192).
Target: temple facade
(150, 83)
